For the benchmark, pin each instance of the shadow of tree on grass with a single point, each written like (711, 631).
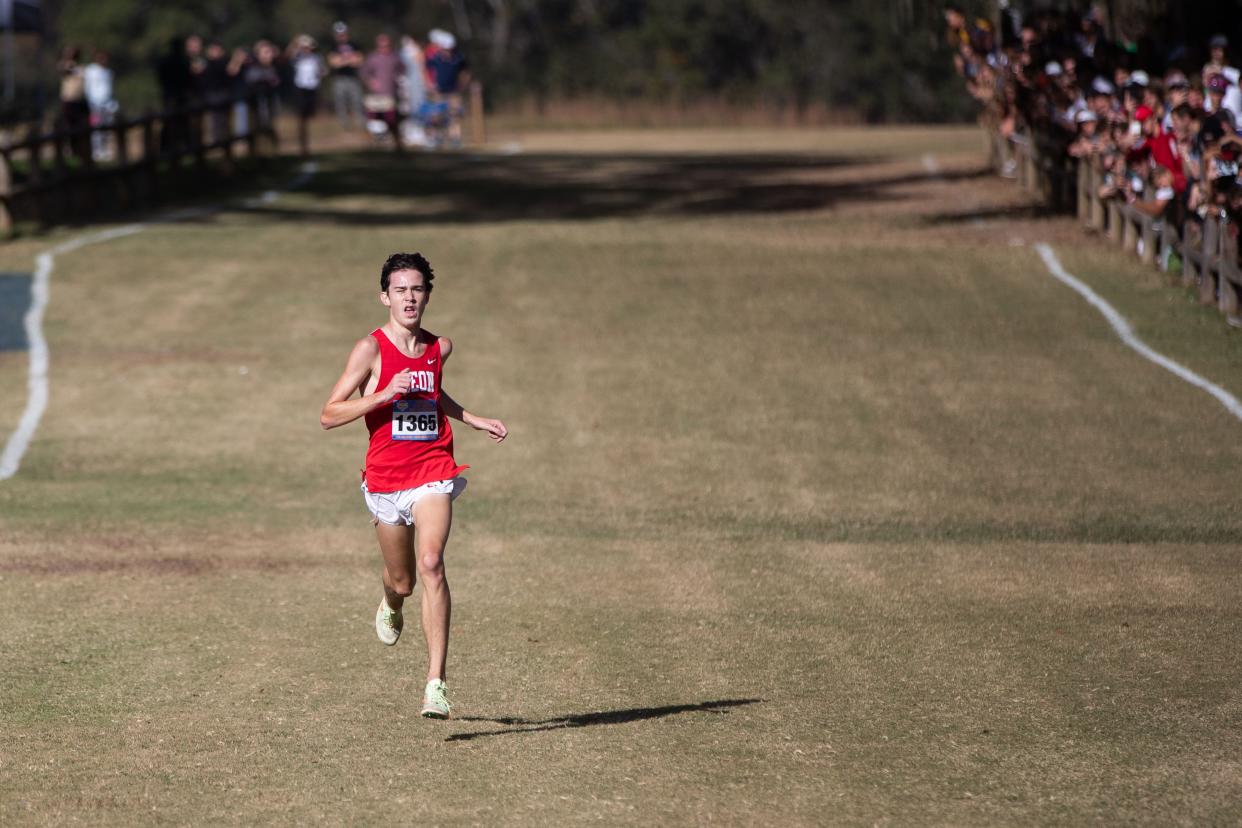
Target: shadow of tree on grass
(1013, 212)
(604, 717)
(471, 189)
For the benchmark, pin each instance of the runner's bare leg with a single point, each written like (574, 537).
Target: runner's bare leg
(433, 515)
(397, 547)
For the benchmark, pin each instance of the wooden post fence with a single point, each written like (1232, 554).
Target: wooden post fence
(77, 183)
(1207, 250)
(478, 127)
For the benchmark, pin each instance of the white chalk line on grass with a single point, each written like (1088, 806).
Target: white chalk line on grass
(40, 290)
(1123, 329)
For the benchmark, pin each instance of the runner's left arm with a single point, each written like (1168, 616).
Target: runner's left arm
(495, 429)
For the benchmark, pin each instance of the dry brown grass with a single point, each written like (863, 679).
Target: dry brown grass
(823, 504)
(581, 114)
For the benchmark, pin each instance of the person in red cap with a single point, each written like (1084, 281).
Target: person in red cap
(1158, 145)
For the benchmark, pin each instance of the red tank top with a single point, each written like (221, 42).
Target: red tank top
(411, 440)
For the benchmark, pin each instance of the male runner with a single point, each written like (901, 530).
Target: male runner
(411, 477)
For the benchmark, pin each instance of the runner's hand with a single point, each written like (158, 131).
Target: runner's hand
(400, 383)
(495, 428)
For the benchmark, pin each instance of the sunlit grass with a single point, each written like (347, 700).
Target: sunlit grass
(821, 505)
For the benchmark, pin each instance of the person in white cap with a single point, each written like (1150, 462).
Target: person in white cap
(1101, 100)
(449, 74)
(442, 39)
(1088, 141)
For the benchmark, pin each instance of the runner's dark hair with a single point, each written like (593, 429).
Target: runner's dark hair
(406, 261)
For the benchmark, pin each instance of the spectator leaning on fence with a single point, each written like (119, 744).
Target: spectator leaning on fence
(1220, 147)
(1166, 143)
(1160, 146)
(1089, 140)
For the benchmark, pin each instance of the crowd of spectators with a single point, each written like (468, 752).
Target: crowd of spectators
(410, 95)
(409, 90)
(1163, 134)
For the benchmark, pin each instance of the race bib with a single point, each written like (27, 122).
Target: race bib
(415, 420)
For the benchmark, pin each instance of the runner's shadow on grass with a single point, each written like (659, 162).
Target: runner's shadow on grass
(516, 724)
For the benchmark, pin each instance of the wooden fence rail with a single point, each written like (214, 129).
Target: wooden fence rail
(1207, 249)
(53, 175)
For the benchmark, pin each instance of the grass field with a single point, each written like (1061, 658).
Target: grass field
(823, 504)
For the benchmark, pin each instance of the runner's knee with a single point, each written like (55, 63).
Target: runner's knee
(401, 584)
(431, 565)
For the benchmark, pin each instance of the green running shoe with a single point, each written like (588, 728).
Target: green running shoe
(435, 701)
(388, 623)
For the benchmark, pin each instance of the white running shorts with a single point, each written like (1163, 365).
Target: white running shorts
(397, 508)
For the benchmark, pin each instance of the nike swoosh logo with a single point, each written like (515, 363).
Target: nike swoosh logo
(431, 362)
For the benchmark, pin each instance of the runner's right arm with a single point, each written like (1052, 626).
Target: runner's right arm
(340, 409)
